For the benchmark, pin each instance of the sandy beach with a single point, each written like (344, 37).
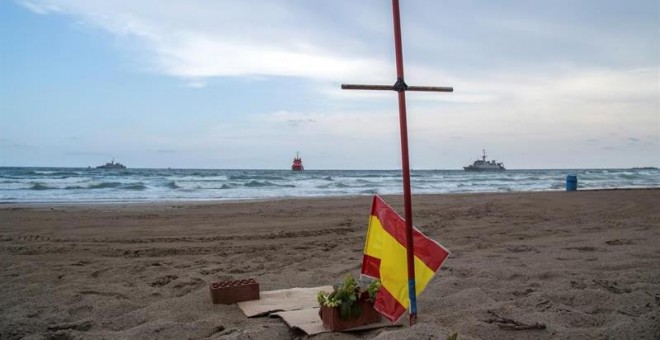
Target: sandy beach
(585, 264)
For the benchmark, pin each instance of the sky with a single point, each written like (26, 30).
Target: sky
(247, 84)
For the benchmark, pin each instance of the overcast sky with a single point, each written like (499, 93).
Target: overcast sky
(246, 84)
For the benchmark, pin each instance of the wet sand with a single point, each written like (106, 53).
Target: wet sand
(585, 264)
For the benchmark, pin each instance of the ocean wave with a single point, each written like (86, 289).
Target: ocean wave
(40, 186)
(628, 175)
(172, 185)
(104, 185)
(109, 185)
(339, 185)
(556, 185)
(6, 176)
(199, 180)
(259, 184)
(486, 178)
(255, 177)
(215, 185)
(66, 174)
(40, 172)
(383, 174)
(51, 174)
(255, 183)
(135, 186)
(209, 173)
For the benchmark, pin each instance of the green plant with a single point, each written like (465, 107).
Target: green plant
(346, 296)
(372, 289)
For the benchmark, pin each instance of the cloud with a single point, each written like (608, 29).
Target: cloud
(293, 39)
(220, 38)
(41, 7)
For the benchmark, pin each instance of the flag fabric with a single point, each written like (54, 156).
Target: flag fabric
(385, 259)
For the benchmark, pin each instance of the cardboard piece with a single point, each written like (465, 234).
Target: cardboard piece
(298, 308)
(282, 300)
(309, 321)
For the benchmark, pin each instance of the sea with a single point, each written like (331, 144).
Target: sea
(91, 185)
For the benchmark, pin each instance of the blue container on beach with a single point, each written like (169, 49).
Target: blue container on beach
(571, 183)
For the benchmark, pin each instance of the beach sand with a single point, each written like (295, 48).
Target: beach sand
(585, 264)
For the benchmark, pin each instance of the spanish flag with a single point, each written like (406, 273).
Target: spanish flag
(385, 259)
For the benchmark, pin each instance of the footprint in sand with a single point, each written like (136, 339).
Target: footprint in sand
(582, 248)
(618, 242)
(523, 248)
(185, 286)
(163, 280)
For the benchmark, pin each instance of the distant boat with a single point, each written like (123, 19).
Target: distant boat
(297, 164)
(645, 168)
(484, 165)
(112, 165)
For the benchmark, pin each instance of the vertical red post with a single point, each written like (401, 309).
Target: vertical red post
(407, 196)
(401, 87)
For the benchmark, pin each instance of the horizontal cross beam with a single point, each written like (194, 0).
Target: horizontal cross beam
(396, 88)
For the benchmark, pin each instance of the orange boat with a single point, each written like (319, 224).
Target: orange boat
(297, 164)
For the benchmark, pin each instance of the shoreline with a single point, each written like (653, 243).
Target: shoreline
(10, 204)
(585, 264)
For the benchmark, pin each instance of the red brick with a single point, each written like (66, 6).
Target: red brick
(228, 292)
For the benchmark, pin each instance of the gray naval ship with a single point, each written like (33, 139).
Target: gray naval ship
(484, 165)
(112, 165)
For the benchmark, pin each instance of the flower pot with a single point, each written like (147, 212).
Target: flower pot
(332, 319)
